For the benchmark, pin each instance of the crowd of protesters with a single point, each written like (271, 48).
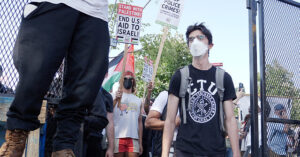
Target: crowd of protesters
(187, 120)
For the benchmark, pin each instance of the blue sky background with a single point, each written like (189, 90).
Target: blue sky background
(228, 22)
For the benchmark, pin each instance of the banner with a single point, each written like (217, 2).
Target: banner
(170, 12)
(129, 20)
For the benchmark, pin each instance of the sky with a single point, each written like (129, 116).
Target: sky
(228, 22)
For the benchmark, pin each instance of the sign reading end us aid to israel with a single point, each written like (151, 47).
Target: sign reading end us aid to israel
(129, 20)
(170, 12)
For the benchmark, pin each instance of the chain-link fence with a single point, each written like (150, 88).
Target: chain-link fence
(282, 76)
(10, 19)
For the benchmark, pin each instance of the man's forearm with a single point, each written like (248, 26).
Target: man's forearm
(154, 124)
(233, 135)
(147, 104)
(110, 135)
(110, 131)
(147, 101)
(168, 134)
(140, 132)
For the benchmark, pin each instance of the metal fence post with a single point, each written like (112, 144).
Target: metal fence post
(252, 6)
(262, 80)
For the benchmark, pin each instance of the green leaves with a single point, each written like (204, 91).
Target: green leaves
(279, 83)
(175, 55)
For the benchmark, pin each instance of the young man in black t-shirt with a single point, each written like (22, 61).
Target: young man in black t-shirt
(201, 134)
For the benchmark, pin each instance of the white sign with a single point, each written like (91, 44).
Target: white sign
(113, 42)
(129, 21)
(148, 70)
(170, 12)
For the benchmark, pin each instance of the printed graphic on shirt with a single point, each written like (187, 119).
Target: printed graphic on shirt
(203, 106)
(126, 107)
(123, 108)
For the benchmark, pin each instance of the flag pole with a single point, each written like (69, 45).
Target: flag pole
(161, 46)
(118, 100)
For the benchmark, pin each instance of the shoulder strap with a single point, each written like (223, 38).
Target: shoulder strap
(220, 86)
(185, 74)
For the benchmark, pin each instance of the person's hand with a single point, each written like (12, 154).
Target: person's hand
(141, 149)
(177, 121)
(119, 94)
(109, 153)
(150, 86)
(240, 94)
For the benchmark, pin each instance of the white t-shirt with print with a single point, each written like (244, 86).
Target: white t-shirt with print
(126, 117)
(159, 105)
(95, 8)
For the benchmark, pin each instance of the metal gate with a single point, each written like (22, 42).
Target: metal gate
(10, 18)
(279, 49)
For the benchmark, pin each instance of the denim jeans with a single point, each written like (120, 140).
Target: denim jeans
(47, 35)
(229, 152)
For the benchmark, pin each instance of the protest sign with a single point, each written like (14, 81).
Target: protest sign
(129, 19)
(147, 71)
(170, 12)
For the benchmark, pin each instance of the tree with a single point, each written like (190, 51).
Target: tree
(175, 55)
(279, 83)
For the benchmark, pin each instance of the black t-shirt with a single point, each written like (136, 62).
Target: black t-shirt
(201, 134)
(108, 100)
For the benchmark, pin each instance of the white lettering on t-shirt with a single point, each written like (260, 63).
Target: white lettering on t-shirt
(212, 84)
(203, 106)
(195, 89)
(201, 83)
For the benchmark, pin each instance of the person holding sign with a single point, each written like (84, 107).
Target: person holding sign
(51, 31)
(128, 120)
(200, 132)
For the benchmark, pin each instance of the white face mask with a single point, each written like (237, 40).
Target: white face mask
(198, 48)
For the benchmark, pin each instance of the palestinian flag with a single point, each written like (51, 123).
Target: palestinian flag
(115, 69)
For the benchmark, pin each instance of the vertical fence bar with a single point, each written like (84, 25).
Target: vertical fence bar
(252, 6)
(262, 79)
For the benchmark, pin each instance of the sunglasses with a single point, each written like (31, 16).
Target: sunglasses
(199, 37)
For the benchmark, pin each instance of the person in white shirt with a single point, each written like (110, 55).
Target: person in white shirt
(248, 137)
(51, 31)
(128, 120)
(155, 121)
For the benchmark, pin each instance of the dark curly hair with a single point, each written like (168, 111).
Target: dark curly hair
(201, 27)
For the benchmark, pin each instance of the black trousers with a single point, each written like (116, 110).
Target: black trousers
(47, 35)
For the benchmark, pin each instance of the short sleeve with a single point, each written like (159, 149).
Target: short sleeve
(174, 85)
(229, 93)
(108, 99)
(160, 102)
